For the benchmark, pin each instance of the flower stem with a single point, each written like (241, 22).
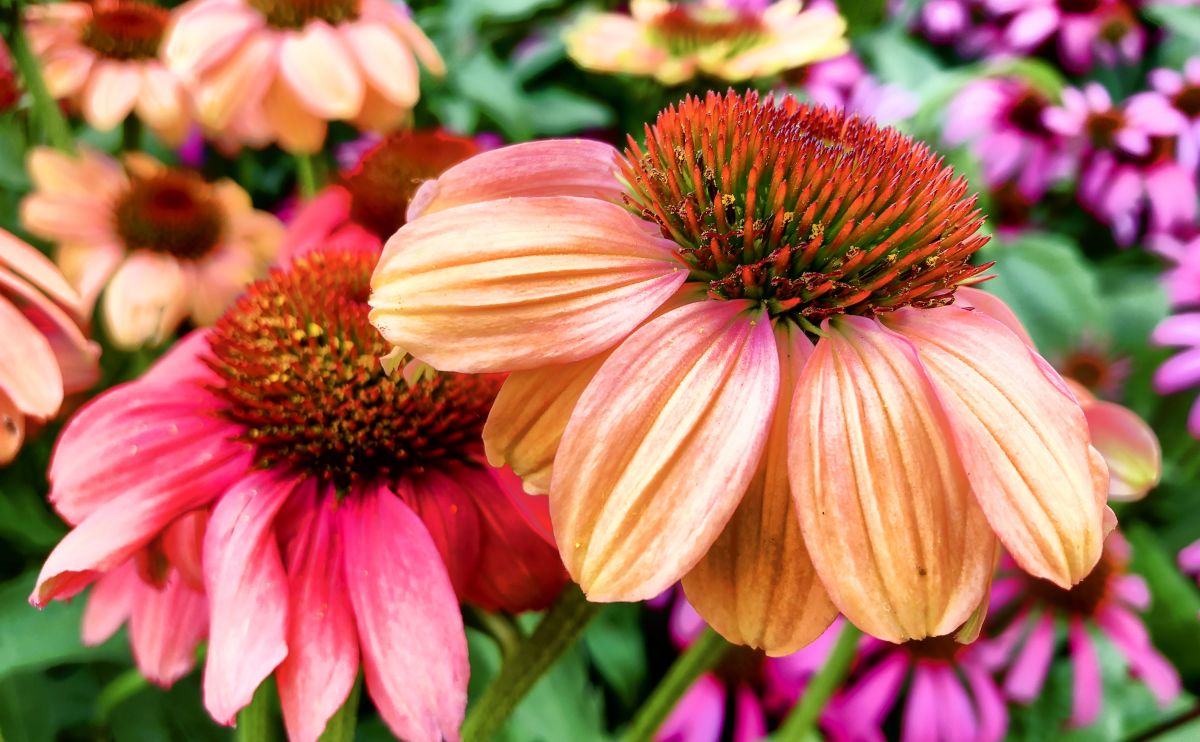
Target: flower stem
(705, 652)
(254, 722)
(46, 112)
(801, 723)
(557, 632)
(306, 175)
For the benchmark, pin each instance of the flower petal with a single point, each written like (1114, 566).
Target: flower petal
(756, 585)
(554, 167)
(245, 580)
(1022, 437)
(885, 506)
(407, 617)
(522, 283)
(661, 448)
(321, 72)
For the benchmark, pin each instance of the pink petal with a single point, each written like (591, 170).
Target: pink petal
(322, 661)
(1088, 691)
(699, 716)
(661, 448)
(1028, 673)
(555, 167)
(245, 579)
(321, 72)
(166, 626)
(522, 283)
(407, 617)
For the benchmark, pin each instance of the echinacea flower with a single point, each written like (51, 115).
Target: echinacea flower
(1181, 372)
(103, 57)
(348, 507)
(725, 39)
(277, 70)
(162, 243)
(370, 199)
(44, 355)
(1000, 118)
(1129, 165)
(717, 341)
(1105, 604)
(1107, 29)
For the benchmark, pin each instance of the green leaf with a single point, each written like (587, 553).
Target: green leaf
(615, 644)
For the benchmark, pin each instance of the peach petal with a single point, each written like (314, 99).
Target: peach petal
(529, 415)
(1128, 446)
(757, 586)
(237, 82)
(1022, 437)
(522, 283)
(387, 63)
(555, 167)
(321, 72)
(12, 428)
(29, 373)
(295, 127)
(111, 93)
(885, 506)
(145, 300)
(661, 448)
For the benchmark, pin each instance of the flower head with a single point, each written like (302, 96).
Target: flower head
(349, 507)
(724, 39)
(104, 58)
(280, 70)
(162, 243)
(717, 340)
(1106, 602)
(45, 354)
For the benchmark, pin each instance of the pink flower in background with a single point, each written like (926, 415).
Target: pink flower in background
(1181, 372)
(104, 58)
(1104, 29)
(45, 355)
(271, 70)
(843, 82)
(1129, 167)
(163, 244)
(1105, 605)
(350, 509)
(1001, 120)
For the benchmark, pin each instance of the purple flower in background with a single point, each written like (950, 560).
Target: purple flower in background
(1105, 604)
(1103, 29)
(1129, 166)
(843, 82)
(1182, 371)
(1001, 120)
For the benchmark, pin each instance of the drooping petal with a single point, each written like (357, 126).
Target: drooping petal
(518, 284)
(756, 585)
(322, 662)
(407, 617)
(321, 72)
(248, 590)
(661, 448)
(529, 416)
(885, 506)
(1129, 447)
(1022, 438)
(166, 626)
(555, 167)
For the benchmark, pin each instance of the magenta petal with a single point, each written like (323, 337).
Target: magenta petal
(1029, 671)
(167, 625)
(1088, 687)
(699, 715)
(410, 629)
(322, 662)
(246, 583)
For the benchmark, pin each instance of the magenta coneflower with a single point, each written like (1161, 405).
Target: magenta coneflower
(1106, 604)
(348, 507)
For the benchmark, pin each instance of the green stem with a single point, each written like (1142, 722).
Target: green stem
(557, 632)
(698, 659)
(801, 723)
(45, 109)
(340, 727)
(306, 175)
(255, 722)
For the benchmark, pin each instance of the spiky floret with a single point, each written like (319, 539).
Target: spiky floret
(296, 14)
(175, 212)
(300, 367)
(808, 210)
(683, 29)
(125, 29)
(388, 175)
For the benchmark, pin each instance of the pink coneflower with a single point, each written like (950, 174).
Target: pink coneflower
(844, 82)
(725, 39)
(716, 341)
(348, 507)
(1183, 371)
(1105, 604)
(1130, 173)
(163, 244)
(372, 196)
(1001, 120)
(1084, 30)
(45, 355)
(103, 57)
(276, 70)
